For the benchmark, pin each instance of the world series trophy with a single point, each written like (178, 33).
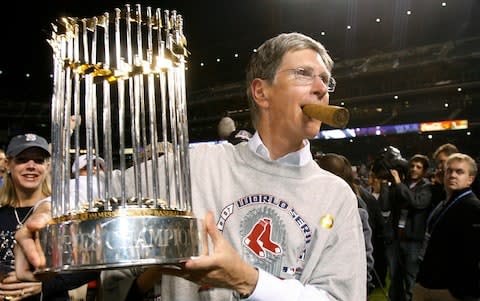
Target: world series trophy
(119, 89)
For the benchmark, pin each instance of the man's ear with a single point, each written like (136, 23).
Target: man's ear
(470, 180)
(260, 92)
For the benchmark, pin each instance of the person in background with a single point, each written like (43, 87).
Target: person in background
(440, 156)
(227, 130)
(26, 186)
(302, 241)
(239, 136)
(374, 189)
(449, 268)
(3, 166)
(413, 200)
(388, 164)
(81, 191)
(340, 166)
(377, 224)
(80, 164)
(80, 177)
(225, 127)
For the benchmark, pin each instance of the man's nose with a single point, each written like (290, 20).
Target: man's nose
(319, 84)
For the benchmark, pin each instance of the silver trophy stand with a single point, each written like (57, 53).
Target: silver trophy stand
(119, 94)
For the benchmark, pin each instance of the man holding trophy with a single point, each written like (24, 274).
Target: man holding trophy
(279, 227)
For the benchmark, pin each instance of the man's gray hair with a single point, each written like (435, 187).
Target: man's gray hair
(265, 62)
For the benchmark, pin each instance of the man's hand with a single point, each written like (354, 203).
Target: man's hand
(28, 251)
(13, 289)
(396, 176)
(224, 268)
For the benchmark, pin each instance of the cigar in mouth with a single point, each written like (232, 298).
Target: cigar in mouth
(334, 116)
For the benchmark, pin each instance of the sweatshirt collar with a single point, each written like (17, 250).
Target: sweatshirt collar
(297, 158)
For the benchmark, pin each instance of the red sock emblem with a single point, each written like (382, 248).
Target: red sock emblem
(259, 239)
(266, 239)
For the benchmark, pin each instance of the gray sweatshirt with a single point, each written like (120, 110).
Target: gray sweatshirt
(299, 225)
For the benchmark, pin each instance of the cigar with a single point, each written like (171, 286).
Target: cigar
(334, 116)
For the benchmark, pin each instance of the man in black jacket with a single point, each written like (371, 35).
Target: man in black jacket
(449, 269)
(440, 156)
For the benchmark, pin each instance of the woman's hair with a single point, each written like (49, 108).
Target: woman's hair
(8, 196)
(338, 165)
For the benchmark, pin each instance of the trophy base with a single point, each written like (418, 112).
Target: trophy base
(127, 237)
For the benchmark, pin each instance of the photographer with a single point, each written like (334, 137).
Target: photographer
(389, 162)
(409, 200)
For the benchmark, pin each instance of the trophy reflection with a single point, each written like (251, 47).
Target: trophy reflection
(120, 164)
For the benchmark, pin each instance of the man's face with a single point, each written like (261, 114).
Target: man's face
(286, 96)
(457, 176)
(440, 160)
(416, 170)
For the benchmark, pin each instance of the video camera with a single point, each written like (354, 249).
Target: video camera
(389, 158)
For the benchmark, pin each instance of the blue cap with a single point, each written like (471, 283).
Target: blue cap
(20, 143)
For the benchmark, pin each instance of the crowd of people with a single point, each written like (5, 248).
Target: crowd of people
(428, 237)
(323, 234)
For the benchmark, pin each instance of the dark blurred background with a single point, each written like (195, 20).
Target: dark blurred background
(396, 62)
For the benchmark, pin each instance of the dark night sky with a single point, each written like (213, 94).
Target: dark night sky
(218, 29)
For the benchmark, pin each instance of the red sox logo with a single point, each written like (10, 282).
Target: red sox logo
(259, 240)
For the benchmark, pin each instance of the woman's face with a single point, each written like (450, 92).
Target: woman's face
(29, 169)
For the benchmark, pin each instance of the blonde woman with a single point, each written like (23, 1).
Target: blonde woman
(27, 185)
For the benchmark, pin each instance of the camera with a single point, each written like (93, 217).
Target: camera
(389, 158)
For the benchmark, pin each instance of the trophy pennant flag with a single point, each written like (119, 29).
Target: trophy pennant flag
(121, 193)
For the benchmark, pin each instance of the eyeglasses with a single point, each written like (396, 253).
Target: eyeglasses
(306, 76)
(23, 160)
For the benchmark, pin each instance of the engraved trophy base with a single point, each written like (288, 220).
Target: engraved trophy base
(122, 238)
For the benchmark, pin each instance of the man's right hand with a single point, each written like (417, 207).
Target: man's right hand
(28, 251)
(13, 289)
